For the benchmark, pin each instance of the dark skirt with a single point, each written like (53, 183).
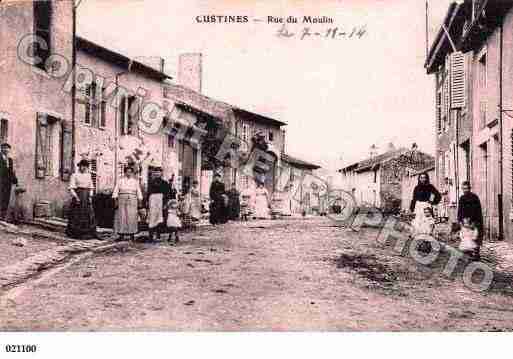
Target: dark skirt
(81, 221)
(218, 212)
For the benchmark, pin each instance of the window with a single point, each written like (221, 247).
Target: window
(482, 73)
(128, 115)
(271, 136)
(42, 29)
(483, 76)
(91, 109)
(4, 130)
(170, 131)
(181, 150)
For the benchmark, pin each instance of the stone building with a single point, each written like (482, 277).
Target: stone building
(377, 181)
(54, 116)
(453, 121)
(478, 33)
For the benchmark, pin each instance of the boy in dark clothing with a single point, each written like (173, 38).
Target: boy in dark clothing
(469, 206)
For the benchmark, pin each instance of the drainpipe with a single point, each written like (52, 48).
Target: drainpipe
(73, 88)
(501, 171)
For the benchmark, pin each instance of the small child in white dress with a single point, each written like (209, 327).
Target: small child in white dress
(424, 229)
(468, 237)
(173, 221)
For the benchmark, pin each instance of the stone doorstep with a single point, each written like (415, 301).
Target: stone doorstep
(21, 271)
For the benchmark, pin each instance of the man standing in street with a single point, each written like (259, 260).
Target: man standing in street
(7, 179)
(469, 206)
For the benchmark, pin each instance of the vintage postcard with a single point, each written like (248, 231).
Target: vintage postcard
(242, 166)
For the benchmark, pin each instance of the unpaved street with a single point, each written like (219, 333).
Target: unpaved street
(273, 275)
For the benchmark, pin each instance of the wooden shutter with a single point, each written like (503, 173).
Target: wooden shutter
(41, 129)
(457, 80)
(439, 112)
(103, 109)
(66, 151)
(4, 130)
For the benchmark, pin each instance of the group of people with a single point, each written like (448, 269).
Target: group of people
(164, 210)
(226, 205)
(469, 215)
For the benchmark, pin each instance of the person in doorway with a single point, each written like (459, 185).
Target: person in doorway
(217, 202)
(262, 202)
(7, 179)
(158, 197)
(469, 206)
(233, 203)
(424, 195)
(81, 220)
(127, 194)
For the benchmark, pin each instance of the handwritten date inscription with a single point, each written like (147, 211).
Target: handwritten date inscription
(329, 33)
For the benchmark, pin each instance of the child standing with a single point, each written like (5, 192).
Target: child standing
(173, 221)
(425, 228)
(468, 238)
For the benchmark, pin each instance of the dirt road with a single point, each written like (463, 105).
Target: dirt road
(277, 275)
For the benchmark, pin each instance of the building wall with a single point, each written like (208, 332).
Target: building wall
(365, 186)
(486, 137)
(27, 91)
(252, 128)
(100, 143)
(507, 144)
(453, 155)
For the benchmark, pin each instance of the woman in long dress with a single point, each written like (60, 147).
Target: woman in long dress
(261, 202)
(195, 202)
(128, 194)
(81, 221)
(425, 195)
(158, 197)
(218, 206)
(233, 203)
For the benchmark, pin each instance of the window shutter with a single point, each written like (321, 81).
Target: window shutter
(103, 109)
(41, 128)
(457, 80)
(439, 112)
(66, 151)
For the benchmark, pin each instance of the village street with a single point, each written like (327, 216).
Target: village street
(261, 275)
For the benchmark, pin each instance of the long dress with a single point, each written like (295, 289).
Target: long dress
(158, 195)
(262, 203)
(424, 196)
(217, 204)
(195, 204)
(233, 204)
(81, 221)
(128, 192)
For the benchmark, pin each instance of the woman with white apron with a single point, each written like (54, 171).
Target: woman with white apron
(424, 195)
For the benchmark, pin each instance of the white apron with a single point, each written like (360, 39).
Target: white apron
(155, 215)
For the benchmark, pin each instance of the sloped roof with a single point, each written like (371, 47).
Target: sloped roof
(118, 59)
(298, 162)
(373, 161)
(258, 118)
(186, 96)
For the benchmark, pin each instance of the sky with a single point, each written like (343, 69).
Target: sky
(338, 96)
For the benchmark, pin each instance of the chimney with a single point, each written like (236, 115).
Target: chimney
(373, 151)
(190, 71)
